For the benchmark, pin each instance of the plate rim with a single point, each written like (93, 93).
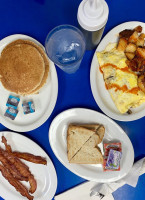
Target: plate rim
(95, 93)
(53, 174)
(65, 165)
(48, 112)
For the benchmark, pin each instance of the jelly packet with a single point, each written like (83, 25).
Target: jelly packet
(107, 147)
(113, 160)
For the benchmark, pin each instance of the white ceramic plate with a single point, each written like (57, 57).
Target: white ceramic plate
(57, 139)
(101, 95)
(44, 174)
(44, 101)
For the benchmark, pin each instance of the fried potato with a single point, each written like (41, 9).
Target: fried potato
(141, 82)
(122, 44)
(141, 67)
(143, 62)
(128, 62)
(126, 33)
(140, 42)
(129, 55)
(138, 29)
(131, 48)
(139, 61)
(134, 37)
(140, 52)
(142, 35)
(132, 65)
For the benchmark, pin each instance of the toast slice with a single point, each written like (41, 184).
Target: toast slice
(99, 129)
(88, 155)
(93, 140)
(92, 127)
(76, 138)
(101, 132)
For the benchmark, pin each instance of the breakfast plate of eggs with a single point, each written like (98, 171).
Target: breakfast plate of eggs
(117, 72)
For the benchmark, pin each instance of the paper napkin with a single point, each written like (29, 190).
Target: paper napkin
(96, 191)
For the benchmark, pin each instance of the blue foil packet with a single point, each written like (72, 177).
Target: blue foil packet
(28, 107)
(11, 113)
(13, 101)
(113, 161)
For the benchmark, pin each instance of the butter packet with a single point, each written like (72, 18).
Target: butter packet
(28, 107)
(11, 113)
(13, 101)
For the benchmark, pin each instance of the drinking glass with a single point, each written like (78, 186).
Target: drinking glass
(65, 46)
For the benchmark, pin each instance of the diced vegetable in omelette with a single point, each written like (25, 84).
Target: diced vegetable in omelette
(120, 81)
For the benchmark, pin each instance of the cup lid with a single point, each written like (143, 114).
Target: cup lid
(93, 14)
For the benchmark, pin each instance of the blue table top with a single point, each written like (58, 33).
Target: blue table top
(36, 18)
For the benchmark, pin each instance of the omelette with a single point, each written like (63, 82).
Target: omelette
(119, 80)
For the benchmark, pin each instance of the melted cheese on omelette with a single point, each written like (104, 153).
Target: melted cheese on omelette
(119, 80)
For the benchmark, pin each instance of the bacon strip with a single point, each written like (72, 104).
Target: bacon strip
(30, 157)
(25, 156)
(12, 169)
(15, 183)
(22, 168)
(8, 147)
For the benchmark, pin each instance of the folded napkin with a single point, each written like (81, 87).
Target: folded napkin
(96, 191)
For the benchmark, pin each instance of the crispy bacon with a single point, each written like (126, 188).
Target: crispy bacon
(25, 156)
(15, 183)
(22, 168)
(30, 157)
(12, 169)
(33, 184)
(8, 147)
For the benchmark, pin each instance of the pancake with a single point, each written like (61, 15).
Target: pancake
(22, 68)
(45, 58)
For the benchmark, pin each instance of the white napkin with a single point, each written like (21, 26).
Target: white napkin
(81, 192)
(103, 191)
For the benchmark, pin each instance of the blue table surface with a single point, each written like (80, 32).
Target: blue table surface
(36, 18)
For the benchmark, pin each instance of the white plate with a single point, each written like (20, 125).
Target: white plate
(44, 174)
(57, 139)
(44, 101)
(101, 95)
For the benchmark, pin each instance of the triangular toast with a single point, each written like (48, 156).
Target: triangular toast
(76, 138)
(100, 132)
(88, 155)
(99, 129)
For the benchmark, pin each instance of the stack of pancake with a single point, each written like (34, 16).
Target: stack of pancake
(24, 67)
